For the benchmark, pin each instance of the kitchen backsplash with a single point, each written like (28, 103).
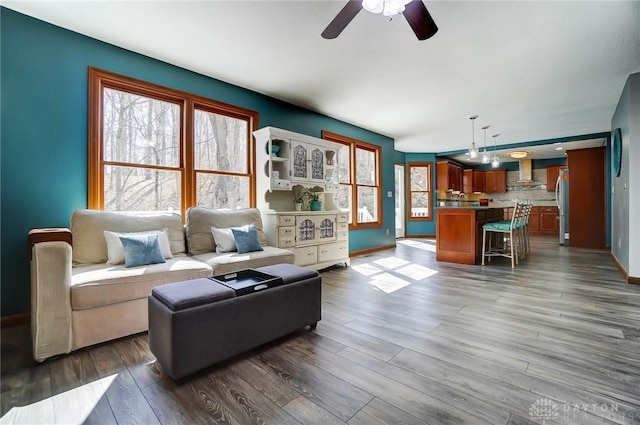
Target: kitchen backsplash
(537, 192)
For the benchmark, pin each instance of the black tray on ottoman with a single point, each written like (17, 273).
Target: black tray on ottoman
(247, 281)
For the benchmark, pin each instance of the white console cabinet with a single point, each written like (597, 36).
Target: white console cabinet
(318, 239)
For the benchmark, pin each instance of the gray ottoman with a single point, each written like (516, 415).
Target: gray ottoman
(196, 323)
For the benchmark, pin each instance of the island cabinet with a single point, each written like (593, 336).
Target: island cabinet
(495, 181)
(448, 176)
(459, 233)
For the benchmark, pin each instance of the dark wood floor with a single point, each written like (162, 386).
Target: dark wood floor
(403, 339)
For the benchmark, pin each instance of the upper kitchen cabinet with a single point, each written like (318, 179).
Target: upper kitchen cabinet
(448, 176)
(552, 176)
(495, 181)
(473, 181)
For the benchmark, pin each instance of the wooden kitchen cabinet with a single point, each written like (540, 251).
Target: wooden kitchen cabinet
(448, 176)
(549, 223)
(473, 181)
(495, 181)
(542, 220)
(552, 176)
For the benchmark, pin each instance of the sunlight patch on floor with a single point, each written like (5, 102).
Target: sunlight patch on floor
(70, 407)
(391, 262)
(416, 271)
(426, 245)
(366, 269)
(388, 283)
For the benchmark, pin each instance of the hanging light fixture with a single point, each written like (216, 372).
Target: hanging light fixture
(473, 152)
(485, 155)
(495, 161)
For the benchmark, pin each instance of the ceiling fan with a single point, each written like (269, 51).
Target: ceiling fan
(415, 11)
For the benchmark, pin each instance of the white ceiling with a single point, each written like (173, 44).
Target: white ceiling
(532, 70)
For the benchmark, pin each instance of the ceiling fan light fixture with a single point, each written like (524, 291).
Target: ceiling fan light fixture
(373, 6)
(393, 7)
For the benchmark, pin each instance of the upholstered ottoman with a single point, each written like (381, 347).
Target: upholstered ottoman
(196, 323)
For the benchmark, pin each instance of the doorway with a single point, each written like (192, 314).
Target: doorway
(400, 202)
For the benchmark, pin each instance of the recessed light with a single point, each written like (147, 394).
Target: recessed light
(556, 143)
(559, 148)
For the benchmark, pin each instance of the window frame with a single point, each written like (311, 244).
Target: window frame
(100, 79)
(429, 191)
(354, 144)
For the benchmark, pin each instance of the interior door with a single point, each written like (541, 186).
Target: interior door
(400, 201)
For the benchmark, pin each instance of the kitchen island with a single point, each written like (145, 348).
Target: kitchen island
(459, 232)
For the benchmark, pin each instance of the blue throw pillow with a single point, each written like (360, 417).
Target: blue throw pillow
(246, 238)
(140, 250)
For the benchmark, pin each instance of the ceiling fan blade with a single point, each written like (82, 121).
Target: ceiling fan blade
(342, 19)
(420, 20)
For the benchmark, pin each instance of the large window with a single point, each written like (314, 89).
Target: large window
(420, 190)
(359, 166)
(153, 148)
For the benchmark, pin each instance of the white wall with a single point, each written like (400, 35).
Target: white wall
(625, 196)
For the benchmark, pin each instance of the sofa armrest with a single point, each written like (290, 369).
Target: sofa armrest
(45, 235)
(51, 331)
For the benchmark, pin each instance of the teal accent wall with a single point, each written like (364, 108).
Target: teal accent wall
(421, 228)
(44, 133)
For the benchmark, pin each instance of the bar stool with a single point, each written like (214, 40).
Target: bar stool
(503, 228)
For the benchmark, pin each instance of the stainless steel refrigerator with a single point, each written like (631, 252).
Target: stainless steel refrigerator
(562, 201)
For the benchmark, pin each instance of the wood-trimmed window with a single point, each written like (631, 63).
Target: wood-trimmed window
(155, 148)
(420, 190)
(360, 178)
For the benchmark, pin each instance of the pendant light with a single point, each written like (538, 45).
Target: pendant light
(495, 161)
(473, 152)
(485, 155)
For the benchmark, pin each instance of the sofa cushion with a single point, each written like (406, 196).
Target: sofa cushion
(232, 261)
(100, 284)
(88, 226)
(200, 220)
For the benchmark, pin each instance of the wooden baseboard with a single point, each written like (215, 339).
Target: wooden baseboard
(15, 320)
(370, 250)
(630, 279)
(420, 236)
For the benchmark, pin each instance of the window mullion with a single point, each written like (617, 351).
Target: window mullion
(186, 160)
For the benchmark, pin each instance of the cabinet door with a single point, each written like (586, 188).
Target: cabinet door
(552, 176)
(442, 175)
(305, 230)
(467, 181)
(549, 220)
(326, 226)
(501, 181)
(534, 220)
(316, 160)
(478, 181)
(300, 165)
(490, 181)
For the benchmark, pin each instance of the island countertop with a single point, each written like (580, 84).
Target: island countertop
(459, 232)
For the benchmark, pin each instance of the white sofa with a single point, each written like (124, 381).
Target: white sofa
(77, 299)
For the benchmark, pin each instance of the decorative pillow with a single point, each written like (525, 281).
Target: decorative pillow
(115, 251)
(246, 238)
(224, 240)
(140, 250)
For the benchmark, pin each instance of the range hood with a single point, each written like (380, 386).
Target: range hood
(525, 177)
